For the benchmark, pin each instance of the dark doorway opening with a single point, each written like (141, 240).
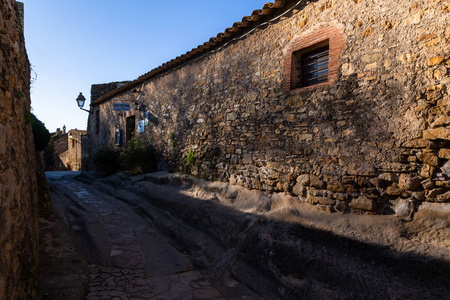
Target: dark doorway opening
(131, 127)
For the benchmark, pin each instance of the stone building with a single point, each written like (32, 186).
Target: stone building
(343, 104)
(67, 150)
(18, 167)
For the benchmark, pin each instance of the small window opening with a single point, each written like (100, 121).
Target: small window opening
(310, 65)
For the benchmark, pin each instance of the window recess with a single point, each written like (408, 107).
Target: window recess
(310, 65)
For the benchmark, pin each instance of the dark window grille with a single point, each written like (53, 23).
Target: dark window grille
(310, 66)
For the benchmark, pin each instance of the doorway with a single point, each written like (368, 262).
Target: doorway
(130, 127)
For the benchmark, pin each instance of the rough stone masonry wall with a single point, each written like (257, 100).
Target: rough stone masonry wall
(18, 185)
(375, 139)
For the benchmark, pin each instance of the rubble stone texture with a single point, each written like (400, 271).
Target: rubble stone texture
(67, 154)
(383, 116)
(18, 184)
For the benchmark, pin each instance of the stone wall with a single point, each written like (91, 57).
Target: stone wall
(74, 149)
(68, 149)
(374, 138)
(18, 183)
(98, 90)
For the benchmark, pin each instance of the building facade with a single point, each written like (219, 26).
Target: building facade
(343, 104)
(64, 152)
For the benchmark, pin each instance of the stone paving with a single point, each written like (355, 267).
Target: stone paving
(132, 284)
(117, 283)
(126, 276)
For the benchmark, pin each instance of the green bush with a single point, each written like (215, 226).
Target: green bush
(190, 158)
(107, 160)
(40, 133)
(139, 156)
(49, 153)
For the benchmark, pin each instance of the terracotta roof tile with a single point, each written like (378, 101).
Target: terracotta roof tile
(247, 23)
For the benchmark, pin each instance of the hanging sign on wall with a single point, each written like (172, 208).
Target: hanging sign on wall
(147, 116)
(141, 126)
(121, 106)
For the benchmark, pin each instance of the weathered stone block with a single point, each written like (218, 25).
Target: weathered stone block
(420, 196)
(417, 143)
(320, 200)
(408, 182)
(444, 197)
(437, 133)
(440, 121)
(446, 168)
(443, 183)
(414, 19)
(363, 203)
(444, 153)
(427, 171)
(341, 188)
(341, 206)
(303, 179)
(428, 184)
(404, 209)
(247, 159)
(316, 182)
(327, 208)
(394, 190)
(387, 177)
(429, 158)
(435, 60)
(431, 195)
(231, 116)
(299, 190)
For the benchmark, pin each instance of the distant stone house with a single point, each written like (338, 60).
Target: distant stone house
(66, 153)
(342, 104)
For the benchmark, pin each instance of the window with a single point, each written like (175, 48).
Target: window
(312, 58)
(130, 127)
(310, 65)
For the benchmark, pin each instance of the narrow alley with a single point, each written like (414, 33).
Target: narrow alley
(126, 256)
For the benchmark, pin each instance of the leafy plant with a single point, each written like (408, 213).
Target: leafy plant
(107, 160)
(49, 153)
(190, 158)
(139, 156)
(40, 133)
(172, 139)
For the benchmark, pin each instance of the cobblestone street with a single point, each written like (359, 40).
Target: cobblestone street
(127, 258)
(153, 236)
(116, 283)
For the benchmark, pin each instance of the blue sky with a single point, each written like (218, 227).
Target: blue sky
(74, 44)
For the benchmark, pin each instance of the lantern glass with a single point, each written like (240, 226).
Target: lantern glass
(81, 100)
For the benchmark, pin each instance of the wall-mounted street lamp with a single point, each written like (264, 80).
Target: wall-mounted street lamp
(80, 101)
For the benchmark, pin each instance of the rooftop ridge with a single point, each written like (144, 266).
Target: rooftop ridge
(247, 23)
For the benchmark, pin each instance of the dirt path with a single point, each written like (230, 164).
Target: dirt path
(171, 238)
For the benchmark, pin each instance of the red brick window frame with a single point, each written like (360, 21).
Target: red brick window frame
(326, 35)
